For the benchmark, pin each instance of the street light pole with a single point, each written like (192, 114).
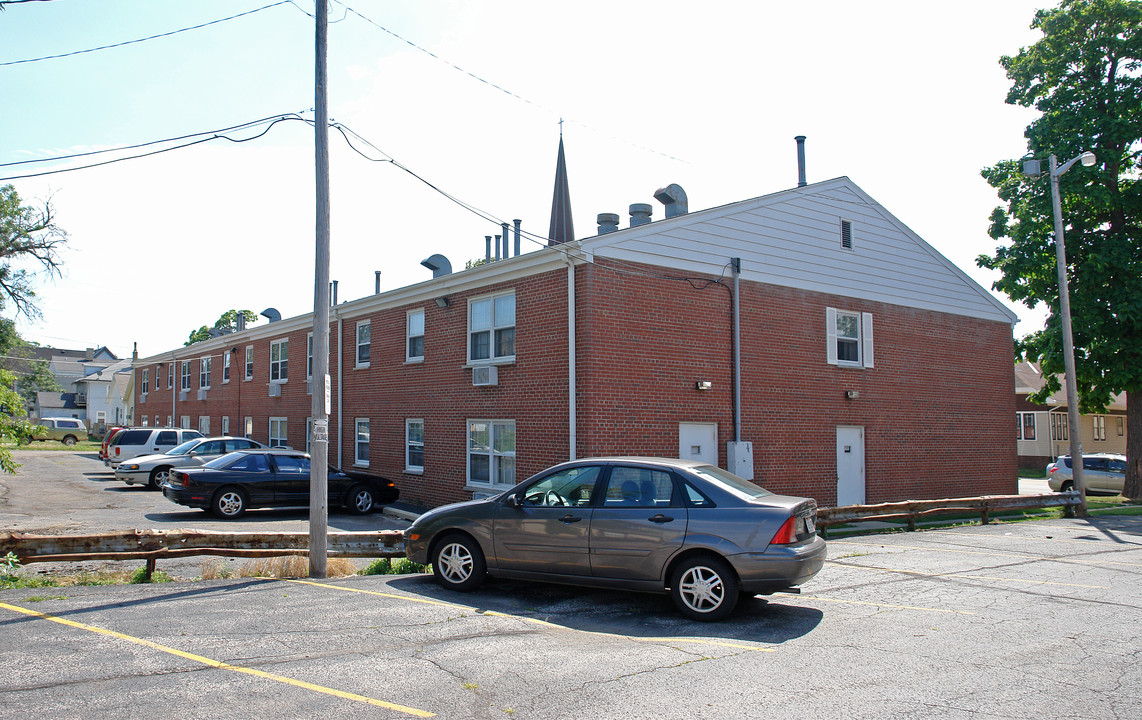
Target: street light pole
(1056, 170)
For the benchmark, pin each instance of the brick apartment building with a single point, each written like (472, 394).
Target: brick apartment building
(624, 343)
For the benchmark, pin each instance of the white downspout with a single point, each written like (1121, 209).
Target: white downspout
(571, 410)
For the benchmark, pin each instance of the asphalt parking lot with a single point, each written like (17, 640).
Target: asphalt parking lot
(1024, 620)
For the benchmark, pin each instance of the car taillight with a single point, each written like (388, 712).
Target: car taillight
(787, 533)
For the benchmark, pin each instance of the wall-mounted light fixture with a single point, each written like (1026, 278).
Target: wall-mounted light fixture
(442, 302)
(852, 394)
(703, 385)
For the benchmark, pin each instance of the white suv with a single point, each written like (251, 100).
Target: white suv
(133, 442)
(153, 470)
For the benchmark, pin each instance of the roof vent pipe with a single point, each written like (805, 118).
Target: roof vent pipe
(517, 224)
(608, 222)
(271, 314)
(504, 226)
(497, 247)
(640, 214)
(800, 161)
(487, 248)
(377, 283)
(674, 198)
(333, 293)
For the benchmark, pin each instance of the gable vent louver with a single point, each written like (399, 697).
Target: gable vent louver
(846, 234)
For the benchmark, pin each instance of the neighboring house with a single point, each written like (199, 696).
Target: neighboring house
(623, 343)
(106, 394)
(71, 369)
(1042, 431)
(57, 404)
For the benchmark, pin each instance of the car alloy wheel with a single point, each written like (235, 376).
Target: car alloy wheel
(459, 563)
(159, 476)
(704, 588)
(229, 503)
(360, 500)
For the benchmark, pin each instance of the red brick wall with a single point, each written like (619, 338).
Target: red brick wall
(937, 408)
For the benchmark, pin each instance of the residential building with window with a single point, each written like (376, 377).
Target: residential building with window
(464, 383)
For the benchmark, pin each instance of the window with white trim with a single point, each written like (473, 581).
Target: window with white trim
(249, 362)
(146, 383)
(414, 445)
(170, 421)
(204, 372)
(170, 377)
(1099, 423)
(1025, 426)
(204, 425)
(491, 452)
(248, 427)
(225, 367)
(279, 360)
(361, 442)
(1121, 426)
(1060, 430)
(849, 338)
(491, 328)
(278, 427)
(184, 422)
(414, 333)
(364, 341)
(144, 418)
(225, 424)
(185, 375)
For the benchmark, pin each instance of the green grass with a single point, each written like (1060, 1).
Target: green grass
(394, 566)
(55, 445)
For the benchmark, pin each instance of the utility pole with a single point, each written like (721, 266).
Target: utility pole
(319, 441)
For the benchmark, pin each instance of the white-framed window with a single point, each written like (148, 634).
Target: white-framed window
(100, 416)
(249, 362)
(185, 377)
(491, 328)
(144, 419)
(309, 356)
(170, 421)
(170, 376)
(491, 452)
(225, 424)
(849, 338)
(364, 343)
(414, 445)
(156, 420)
(225, 367)
(278, 436)
(414, 333)
(1121, 426)
(279, 360)
(204, 372)
(204, 424)
(1099, 426)
(184, 422)
(248, 427)
(1060, 430)
(361, 442)
(145, 383)
(1025, 426)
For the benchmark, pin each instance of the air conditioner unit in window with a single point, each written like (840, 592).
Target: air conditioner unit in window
(201, 394)
(485, 375)
(275, 390)
(182, 395)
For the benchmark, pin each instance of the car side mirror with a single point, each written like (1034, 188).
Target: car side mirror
(512, 501)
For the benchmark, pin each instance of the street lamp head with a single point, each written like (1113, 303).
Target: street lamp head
(1087, 159)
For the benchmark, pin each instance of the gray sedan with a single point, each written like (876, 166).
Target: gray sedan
(694, 530)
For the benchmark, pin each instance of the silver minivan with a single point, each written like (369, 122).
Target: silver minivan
(132, 442)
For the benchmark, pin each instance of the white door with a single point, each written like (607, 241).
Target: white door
(698, 441)
(850, 465)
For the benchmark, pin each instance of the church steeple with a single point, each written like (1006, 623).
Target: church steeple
(562, 230)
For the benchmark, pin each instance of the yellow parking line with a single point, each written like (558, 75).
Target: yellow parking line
(219, 664)
(968, 577)
(1076, 561)
(534, 621)
(887, 605)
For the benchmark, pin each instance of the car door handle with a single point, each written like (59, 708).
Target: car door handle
(660, 518)
(569, 518)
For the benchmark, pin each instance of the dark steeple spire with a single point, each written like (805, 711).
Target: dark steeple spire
(562, 230)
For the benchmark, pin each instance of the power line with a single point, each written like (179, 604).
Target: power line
(145, 39)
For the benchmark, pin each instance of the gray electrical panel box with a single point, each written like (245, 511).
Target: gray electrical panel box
(740, 458)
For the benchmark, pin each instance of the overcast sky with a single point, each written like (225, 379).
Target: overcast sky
(905, 98)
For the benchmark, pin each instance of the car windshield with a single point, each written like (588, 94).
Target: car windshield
(730, 482)
(183, 449)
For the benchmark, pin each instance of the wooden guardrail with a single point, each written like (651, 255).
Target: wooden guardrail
(912, 510)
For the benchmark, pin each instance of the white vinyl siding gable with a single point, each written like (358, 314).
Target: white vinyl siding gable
(793, 239)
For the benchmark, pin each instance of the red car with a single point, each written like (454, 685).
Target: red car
(106, 440)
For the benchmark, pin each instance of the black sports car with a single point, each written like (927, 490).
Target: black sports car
(233, 483)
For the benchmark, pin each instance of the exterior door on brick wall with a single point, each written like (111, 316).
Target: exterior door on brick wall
(850, 465)
(698, 441)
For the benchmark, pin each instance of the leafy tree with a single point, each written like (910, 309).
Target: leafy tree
(30, 375)
(225, 324)
(27, 235)
(1085, 77)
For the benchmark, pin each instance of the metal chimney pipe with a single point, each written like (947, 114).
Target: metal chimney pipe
(504, 226)
(497, 247)
(800, 161)
(517, 222)
(487, 248)
(377, 286)
(333, 293)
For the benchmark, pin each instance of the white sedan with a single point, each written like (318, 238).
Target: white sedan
(152, 470)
